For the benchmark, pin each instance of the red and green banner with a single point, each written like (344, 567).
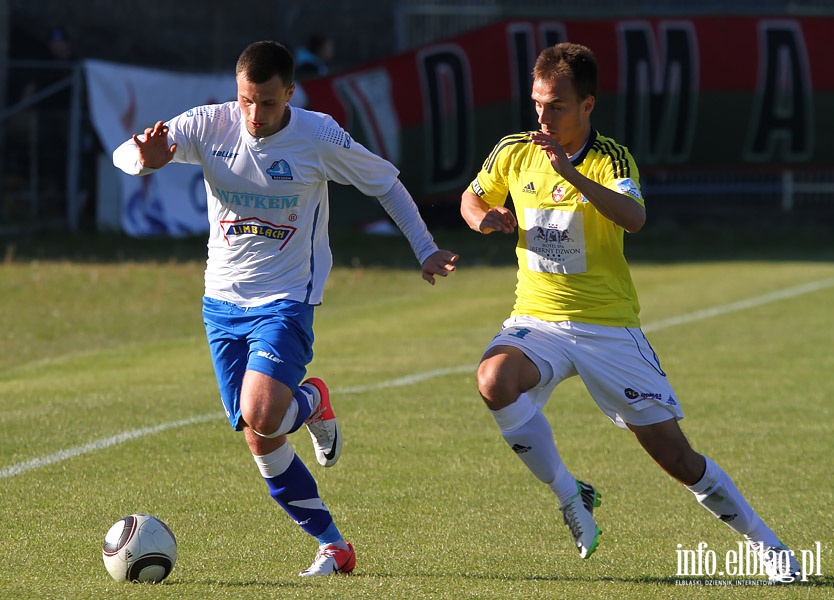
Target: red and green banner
(716, 93)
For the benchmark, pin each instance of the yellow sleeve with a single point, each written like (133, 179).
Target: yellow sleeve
(492, 182)
(618, 171)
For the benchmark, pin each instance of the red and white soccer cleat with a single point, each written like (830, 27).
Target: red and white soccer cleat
(331, 560)
(322, 424)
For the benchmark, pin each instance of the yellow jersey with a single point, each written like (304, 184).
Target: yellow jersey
(571, 265)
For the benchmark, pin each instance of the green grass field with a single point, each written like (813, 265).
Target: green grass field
(108, 406)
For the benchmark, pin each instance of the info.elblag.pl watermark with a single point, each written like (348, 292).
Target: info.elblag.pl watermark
(742, 562)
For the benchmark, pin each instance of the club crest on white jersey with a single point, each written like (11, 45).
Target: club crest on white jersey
(280, 170)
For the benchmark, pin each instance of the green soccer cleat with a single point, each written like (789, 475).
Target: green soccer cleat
(579, 517)
(780, 564)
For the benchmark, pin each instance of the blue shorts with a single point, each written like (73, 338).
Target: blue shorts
(275, 339)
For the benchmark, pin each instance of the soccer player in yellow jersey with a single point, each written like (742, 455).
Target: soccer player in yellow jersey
(575, 193)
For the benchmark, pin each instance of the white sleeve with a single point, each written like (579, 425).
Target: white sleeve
(184, 130)
(399, 205)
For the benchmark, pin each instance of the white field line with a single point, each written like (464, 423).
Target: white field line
(699, 315)
(407, 380)
(37, 463)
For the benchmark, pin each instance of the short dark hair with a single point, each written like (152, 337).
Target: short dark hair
(261, 61)
(572, 61)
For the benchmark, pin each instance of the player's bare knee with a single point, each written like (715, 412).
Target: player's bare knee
(488, 382)
(497, 390)
(263, 417)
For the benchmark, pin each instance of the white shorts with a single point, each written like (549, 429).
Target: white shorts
(616, 364)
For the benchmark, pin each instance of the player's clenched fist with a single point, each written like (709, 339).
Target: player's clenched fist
(498, 218)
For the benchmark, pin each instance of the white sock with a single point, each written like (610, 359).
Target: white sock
(289, 418)
(564, 486)
(527, 431)
(276, 462)
(718, 494)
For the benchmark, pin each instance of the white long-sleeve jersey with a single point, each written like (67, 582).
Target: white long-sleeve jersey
(268, 203)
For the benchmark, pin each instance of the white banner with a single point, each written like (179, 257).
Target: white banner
(125, 100)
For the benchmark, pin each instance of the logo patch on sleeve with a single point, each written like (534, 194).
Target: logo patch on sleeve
(629, 187)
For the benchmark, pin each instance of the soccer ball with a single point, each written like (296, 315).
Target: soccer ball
(139, 548)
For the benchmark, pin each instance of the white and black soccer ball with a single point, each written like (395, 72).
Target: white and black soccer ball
(139, 548)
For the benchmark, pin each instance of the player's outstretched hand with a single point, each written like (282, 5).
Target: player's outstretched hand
(440, 263)
(154, 152)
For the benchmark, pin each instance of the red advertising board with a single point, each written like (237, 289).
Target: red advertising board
(708, 92)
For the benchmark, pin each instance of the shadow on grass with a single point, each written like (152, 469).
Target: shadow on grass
(301, 584)
(823, 581)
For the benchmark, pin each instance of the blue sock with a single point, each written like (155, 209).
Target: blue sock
(298, 411)
(330, 536)
(296, 491)
(304, 409)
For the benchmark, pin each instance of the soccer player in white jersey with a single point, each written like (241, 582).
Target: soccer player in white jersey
(266, 167)
(575, 193)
